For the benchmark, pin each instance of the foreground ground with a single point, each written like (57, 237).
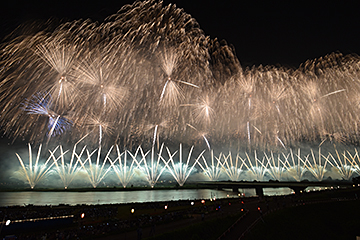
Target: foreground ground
(333, 212)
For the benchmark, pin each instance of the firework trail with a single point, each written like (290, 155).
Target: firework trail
(151, 168)
(68, 171)
(152, 164)
(214, 170)
(234, 169)
(34, 172)
(96, 171)
(181, 170)
(122, 170)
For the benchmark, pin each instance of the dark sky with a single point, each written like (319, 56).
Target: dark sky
(286, 33)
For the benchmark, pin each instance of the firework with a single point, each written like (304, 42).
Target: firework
(123, 171)
(211, 170)
(257, 170)
(346, 167)
(34, 172)
(40, 105)
(96, 171)
(181, 170)
(67, 171)
(276, 167)
(232, 169)
(151, 166)
(296, 169)
(318, 167)
(148, 74)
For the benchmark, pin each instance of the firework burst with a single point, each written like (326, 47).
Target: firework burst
(150, 63)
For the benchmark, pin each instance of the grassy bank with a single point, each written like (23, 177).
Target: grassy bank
(325, 220)
(207, 229)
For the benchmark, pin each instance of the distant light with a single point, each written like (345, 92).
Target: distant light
(203, 201)
(227, 195)
(82, 215)
(192, 203)
(165, 207)
(7, 222)
(40, 219)
(132, 210)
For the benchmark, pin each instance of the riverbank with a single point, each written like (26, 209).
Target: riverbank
(152, 219)
(88, 221)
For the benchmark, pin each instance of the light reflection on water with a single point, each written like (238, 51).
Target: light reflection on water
(107, 197)
(277, 191)
(115, 197)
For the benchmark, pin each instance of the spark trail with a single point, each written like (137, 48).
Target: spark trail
(33, 173)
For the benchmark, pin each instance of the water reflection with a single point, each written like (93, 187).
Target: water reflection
(96, 197)
(277, 191)
(114, 197)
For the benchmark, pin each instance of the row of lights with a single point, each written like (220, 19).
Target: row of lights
(7, 222)
(82, 215)
(192, 203)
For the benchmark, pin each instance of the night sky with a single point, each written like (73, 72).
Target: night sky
(284, 33)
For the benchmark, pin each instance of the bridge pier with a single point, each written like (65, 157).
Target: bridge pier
(298, 190)
(259, 191)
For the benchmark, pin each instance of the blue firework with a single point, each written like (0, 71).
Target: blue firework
(40, 104)
(58, 125)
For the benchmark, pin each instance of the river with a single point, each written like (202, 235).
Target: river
(115, 197)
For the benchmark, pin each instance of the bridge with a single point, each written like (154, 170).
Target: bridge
(297, 187)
